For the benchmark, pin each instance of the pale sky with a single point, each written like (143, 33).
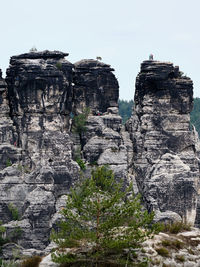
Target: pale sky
(122, 32)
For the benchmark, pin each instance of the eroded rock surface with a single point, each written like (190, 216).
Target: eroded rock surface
(165, 162)
(41, 94)
(36, 105)
(95, 86)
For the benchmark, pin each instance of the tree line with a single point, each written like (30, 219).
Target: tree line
(125, 110)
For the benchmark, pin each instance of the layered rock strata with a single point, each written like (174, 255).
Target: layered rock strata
(37, 102)
(95, 86)
(42, 93)
(40, 101)
(165, 163)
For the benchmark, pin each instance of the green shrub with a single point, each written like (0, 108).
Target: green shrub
(162, 252)
(8, 163)
(175, 244)
(180, 258)
(81, 164)
(93, 163)
(8, 263)
(190, 251)
(31, 262)
(176, 227)
(2, 239)
(14, 212)
(98, 213)
(59, 65)
(79, 122)
(15, 234)
(20, 167)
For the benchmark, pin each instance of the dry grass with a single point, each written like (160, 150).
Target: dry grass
(176, 227)
(162, 251)
(180, 258)
(31, 262)
(174, 244)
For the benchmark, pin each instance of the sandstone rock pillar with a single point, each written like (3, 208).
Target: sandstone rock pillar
(165, 162)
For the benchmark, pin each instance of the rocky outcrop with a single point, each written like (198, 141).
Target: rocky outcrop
(95, 86)
(41, 94)
(9, 153)
(164, 249)
(38, 144)
(39, 101)
(165, 163)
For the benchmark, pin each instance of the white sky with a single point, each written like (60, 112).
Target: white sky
(122, 32)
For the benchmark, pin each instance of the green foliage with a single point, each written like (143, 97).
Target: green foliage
(14, 212)
(79, 122)
(195, 115)
(20, 167)
(162, 251)
(176, 227)
(101, 216)
(93, 163)
(24, 168)
(81, 164)
(77, 153)
(31, 262)
(8, 163)
(33, 49)
(180, 258)
(174, 244)
(59, 65)
(125, 109)
(2, 239)
(15, 234)
(99, 58)
(8, 263)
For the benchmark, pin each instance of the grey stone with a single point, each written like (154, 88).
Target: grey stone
(95, 86)
(165, 159)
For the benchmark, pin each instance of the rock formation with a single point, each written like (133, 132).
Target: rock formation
(37, 168)
(165, 163)
(95, 86)
(38, 146)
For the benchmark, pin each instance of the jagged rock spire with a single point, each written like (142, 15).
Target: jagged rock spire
(165, 159)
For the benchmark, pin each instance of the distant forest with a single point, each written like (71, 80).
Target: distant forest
(125, 110)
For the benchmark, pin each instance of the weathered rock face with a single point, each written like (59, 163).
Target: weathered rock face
(36, 142)
(9, 153)
(40, 95)
(95, 86)
(39, 101)
(165, 161)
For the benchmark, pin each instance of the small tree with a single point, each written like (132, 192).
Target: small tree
(79, 122)
(33, 49)
(106, 221)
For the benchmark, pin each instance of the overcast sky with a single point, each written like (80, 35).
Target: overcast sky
(122, 32)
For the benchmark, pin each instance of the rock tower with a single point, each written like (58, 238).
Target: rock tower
(166, 149)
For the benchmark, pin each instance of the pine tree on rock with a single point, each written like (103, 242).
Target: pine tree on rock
(102, 224)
